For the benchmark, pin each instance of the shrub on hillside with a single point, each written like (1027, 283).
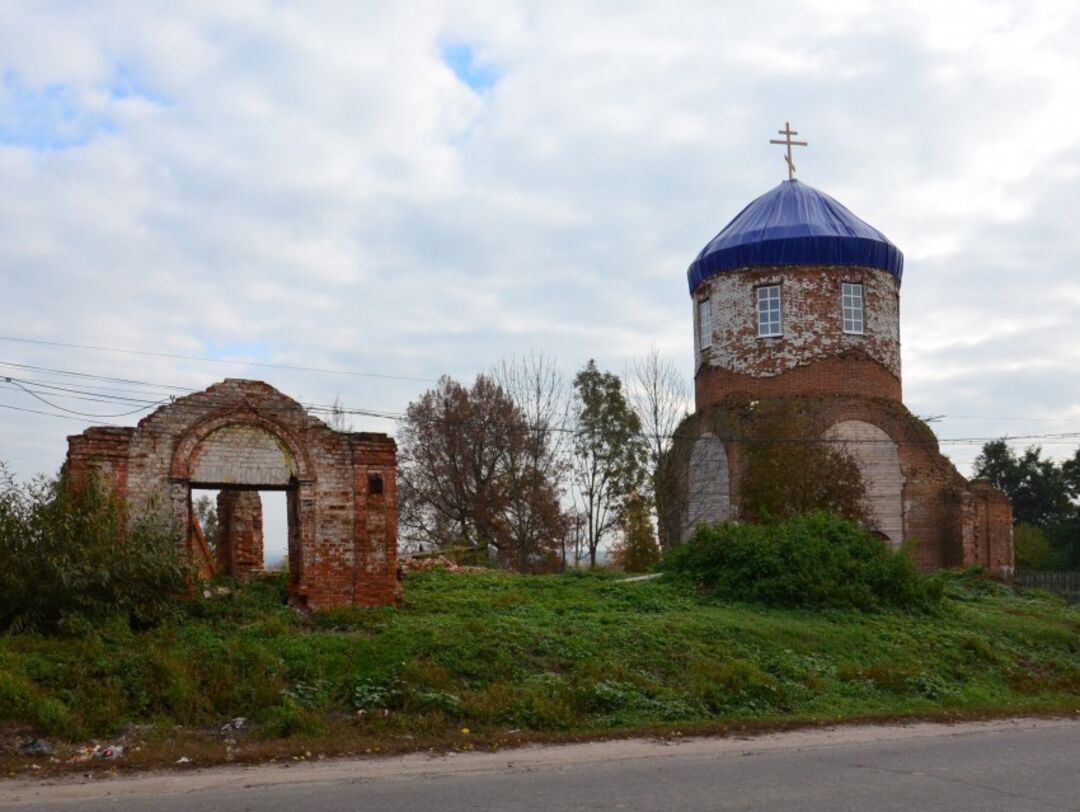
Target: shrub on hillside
(814, 561)
(65, 562)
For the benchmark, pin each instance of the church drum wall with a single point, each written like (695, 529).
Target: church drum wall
(813, 355)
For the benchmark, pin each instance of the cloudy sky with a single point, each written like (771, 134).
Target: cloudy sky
(411, 189)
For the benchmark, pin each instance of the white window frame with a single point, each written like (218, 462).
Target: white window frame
(768, 300)
(704, 314)
(852, 308)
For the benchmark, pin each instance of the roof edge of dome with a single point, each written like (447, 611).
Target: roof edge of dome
(794, 252)
(794, 224)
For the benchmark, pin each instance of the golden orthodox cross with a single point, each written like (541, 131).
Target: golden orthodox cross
(787, 132)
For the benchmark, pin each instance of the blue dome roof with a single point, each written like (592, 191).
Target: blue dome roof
(795, 224)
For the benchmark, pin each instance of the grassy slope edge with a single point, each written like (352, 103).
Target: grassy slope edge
(513, 658)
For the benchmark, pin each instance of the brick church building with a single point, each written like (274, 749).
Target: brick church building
(796, 306)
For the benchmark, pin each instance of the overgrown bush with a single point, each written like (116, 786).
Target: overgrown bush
(66, 562)
(815, 561)
(785, 476)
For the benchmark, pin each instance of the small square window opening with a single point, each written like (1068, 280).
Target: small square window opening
(768, 311)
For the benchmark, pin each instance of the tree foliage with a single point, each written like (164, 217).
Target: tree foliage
(206, 514)
(660, 398)
(468, 476)
(1031, 548)
(66, 561)
(789, 473)
(1039, 488)
(637, 550)
(609, 452)
(537, 523)
(1043, 495)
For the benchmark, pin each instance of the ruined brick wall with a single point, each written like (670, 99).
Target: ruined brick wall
(102, 451)
(239, 433)
(983, 518)
(946, 520)
(240, 533)
(814, 355)
(848, 375)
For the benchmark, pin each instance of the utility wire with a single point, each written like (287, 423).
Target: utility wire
(47, 414)
(208, 359)
(90, 376)
(80, 414)
(329, 409)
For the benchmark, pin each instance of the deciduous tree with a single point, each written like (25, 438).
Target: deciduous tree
(637, 550)
(467, 478)
(609, 452)
(660, 398)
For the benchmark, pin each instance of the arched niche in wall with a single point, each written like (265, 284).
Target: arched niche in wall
(878, 458)
(709, 497)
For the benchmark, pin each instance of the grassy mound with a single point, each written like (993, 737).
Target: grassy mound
(816, 561)
(547, 655)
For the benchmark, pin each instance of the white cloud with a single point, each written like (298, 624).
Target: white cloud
(314, 184)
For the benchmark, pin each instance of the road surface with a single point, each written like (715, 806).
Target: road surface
(1019, 764)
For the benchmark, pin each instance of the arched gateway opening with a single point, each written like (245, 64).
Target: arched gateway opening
(239, 437)
(238, 460)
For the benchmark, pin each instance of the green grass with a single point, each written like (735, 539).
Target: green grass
(561, 654)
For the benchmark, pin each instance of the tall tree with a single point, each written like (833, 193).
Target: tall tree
(609, 452)
(1043, 496)
(660, 398)
(1039, 488)
(536, 521)
(465, 480)
(637, 550)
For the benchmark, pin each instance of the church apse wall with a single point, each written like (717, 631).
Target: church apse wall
(242, 436)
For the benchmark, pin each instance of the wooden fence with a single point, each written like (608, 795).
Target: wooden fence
(1061, 582)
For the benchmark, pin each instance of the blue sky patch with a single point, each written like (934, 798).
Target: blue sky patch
(461, 59)
(125, 85)
(47, 118)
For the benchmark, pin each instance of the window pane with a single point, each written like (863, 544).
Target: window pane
(768, 301)
(851, 304)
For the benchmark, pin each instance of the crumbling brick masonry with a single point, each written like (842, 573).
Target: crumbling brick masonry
(242, 436)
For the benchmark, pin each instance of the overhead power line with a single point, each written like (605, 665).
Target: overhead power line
(82, 414)
(47, 414)
(209, 359)
(85, 390)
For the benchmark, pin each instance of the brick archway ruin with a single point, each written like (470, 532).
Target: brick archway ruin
(241, 435)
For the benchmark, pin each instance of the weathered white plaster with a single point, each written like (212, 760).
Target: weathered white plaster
(709, 485)
(810, 314)
(878, 459)
(242, 455)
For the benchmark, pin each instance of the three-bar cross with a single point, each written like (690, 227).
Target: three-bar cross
(787, 132)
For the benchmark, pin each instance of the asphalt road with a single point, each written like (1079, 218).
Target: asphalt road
(1007, 765)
